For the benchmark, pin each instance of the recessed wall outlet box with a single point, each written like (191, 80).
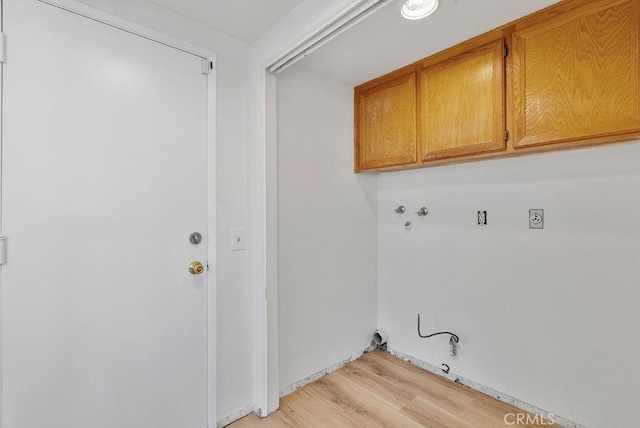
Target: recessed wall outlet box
(237, 239)
(482, 217)
(536, 219)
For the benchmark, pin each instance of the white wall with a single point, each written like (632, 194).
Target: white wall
(327, 228)
(295, 26)
(240, 145)
(240, 178)
(298, 24)
(235, 296)
(546, 316)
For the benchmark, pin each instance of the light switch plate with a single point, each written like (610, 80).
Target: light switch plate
(237, 239)
(536, 219)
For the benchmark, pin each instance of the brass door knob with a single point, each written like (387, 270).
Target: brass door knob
(196, 268)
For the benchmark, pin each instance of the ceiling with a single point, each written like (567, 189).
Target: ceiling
(385, 41)
(243, 19)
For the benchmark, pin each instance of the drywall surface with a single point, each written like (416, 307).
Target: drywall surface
(546, 316)
(234, 293)
(327, 228)
(298, 24)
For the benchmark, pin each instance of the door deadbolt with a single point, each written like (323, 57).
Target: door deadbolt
(196, 268)
(195, 238)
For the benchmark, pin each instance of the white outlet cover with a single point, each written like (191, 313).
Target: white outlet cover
(237, 239)
(482, 218)
(536, 219)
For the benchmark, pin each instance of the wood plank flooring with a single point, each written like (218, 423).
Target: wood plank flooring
(379, 390)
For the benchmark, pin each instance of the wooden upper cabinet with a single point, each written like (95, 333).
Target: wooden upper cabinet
(576, 73)
(461, 104)
(385, 122)
(572, 78)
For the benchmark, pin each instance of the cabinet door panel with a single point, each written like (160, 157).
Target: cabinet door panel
(461, 104)
(386, 124)
(576, 75)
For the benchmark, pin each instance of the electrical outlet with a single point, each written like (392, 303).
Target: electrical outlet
(482, 217)
(536, 219)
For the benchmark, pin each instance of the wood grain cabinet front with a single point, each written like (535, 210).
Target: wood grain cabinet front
(576, 74)
(571, 78)
(461, 104)
(385, 122)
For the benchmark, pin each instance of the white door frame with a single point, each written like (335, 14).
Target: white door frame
(306, 28)
(139, 30)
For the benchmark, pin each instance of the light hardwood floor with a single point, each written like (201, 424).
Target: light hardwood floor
(379, 390)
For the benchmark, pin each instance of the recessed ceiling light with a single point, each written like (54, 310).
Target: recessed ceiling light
(418, 9)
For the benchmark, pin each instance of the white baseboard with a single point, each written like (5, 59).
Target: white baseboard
(310, 379)
(559, 420)
(235, 416)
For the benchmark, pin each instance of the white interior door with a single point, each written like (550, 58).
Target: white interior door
(104, 177)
